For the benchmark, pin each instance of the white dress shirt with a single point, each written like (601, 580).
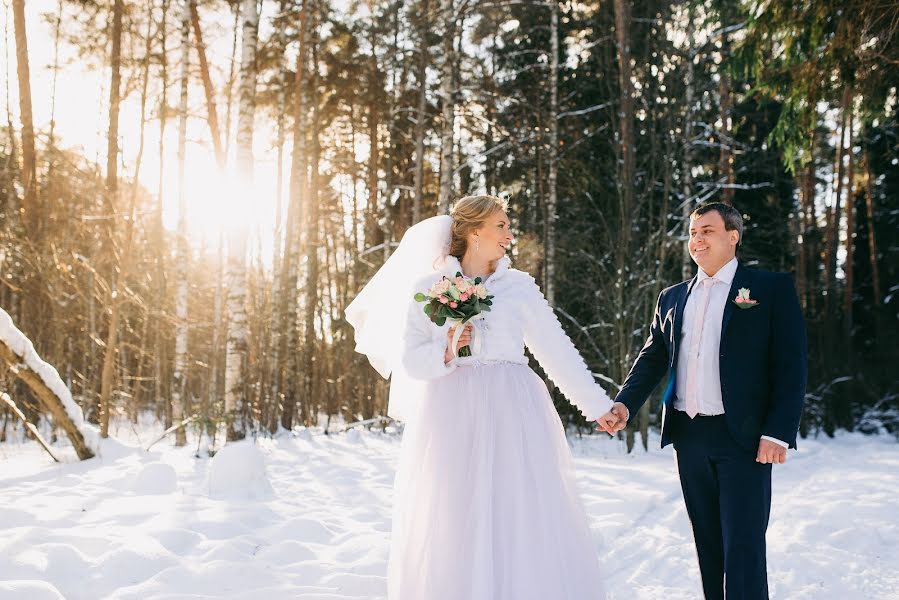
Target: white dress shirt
(708, 376)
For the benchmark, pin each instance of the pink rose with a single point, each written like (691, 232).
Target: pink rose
(454, 305)
(458, 280)
(739, 300)
(443, 300)
(464, 297)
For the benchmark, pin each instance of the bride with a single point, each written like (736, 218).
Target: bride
(485, 501)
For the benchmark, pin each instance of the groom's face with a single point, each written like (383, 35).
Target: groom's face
(711, 245)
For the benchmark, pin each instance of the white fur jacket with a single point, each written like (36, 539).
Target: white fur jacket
(520, 316)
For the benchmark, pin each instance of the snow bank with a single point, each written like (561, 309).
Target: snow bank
(77, 530)
(29, 588)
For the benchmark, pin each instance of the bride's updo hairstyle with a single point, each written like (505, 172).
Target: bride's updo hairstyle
(469, 214)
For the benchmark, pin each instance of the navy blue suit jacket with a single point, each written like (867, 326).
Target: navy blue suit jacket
(762, 358)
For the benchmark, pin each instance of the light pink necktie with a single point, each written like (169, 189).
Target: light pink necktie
(692, 399)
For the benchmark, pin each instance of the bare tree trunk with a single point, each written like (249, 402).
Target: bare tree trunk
(281, 241)
(687, 177)
(217, 326)
(182, 254)
(11, 202)
(135, 182)
(122, 262)
(802, 250)
(626, 187)
(106, 381)
(51, 137)
(236, 355)
(879, 336)
(448, 103)
(158, 235)
(807, 273)
(290, 267)
(11, 407)
(849, 268)
(726, 156)
(312, 242)
(834, 216)
(422, 76)
(374, 157)
(29, 161)
(872, 242)
(212, 117)
(229, 96)
(549, 268)
(625, 117)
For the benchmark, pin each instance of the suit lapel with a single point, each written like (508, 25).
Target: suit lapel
(679, 318)
(741, 280)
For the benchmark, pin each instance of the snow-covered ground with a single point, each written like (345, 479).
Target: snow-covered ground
(307, 516)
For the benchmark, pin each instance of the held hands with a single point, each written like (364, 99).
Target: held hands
(464, 340)
(769, 452)
(615, 420)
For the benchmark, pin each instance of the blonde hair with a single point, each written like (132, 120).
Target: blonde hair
(470, 213)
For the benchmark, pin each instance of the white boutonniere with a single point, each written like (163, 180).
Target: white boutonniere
(743, 300)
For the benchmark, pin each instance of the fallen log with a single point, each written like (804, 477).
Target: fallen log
(17, 351)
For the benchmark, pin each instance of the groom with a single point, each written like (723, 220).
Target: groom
(732, 342)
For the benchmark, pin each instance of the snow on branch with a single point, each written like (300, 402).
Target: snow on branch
(44, 381)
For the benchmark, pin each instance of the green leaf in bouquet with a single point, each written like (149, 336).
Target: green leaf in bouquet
(440, 321)
(477, 280)
(419, 297)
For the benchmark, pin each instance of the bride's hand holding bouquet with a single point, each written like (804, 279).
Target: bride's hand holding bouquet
(460, 301)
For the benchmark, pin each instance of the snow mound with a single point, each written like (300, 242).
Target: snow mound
(33, 589)
(239, 470)
(155, 478)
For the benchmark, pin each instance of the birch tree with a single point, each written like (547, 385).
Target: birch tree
(182, 254)
(236, 353)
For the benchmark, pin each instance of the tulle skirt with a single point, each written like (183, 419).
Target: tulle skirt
(486, 506)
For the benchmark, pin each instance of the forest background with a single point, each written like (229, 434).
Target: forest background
(191, 192)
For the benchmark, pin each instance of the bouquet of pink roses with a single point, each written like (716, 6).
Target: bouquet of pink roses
(458, 299)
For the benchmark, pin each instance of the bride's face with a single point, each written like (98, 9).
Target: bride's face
(493, 238)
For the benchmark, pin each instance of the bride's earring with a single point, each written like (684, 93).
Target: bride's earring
(477, 244)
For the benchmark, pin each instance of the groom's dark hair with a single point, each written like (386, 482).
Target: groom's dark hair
(733, 220)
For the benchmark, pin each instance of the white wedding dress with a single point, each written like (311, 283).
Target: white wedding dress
(486, 506)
